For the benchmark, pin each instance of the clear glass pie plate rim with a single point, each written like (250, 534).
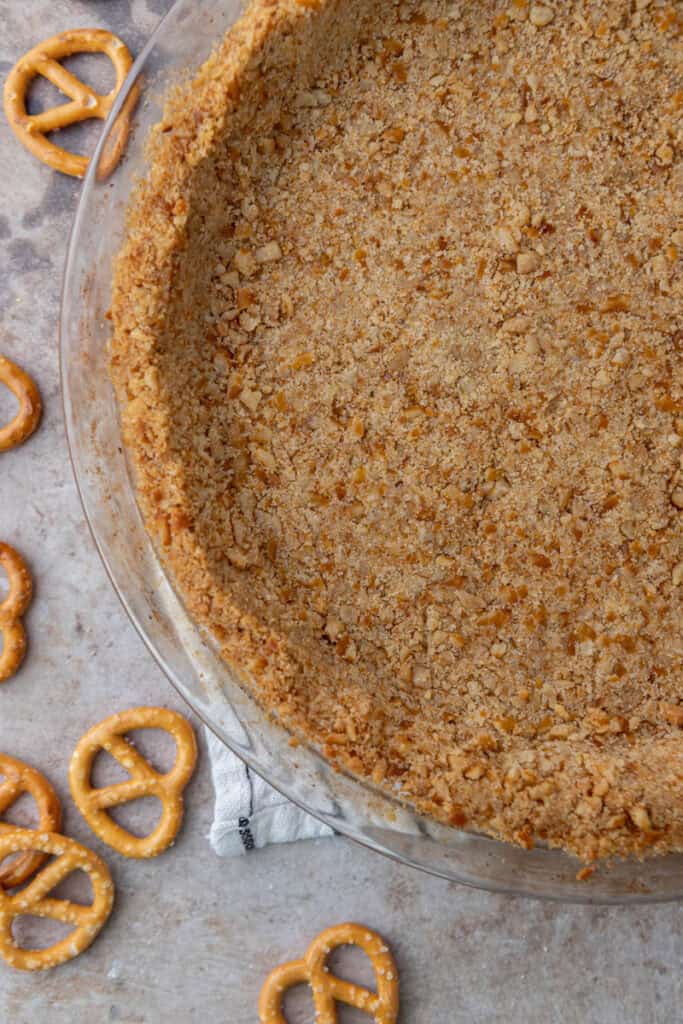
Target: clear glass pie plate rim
(182, 40)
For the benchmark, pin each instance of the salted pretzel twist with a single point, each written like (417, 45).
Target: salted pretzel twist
(327, 989)
(35, 898)
(20, 778)
(30, 407)
(11, 609)
(145, 781)
(44, 59)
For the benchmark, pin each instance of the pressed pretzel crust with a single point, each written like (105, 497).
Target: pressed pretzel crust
(397, 344)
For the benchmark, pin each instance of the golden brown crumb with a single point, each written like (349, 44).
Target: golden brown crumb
(398, 348)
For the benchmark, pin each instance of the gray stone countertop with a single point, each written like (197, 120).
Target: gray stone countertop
(192, 937)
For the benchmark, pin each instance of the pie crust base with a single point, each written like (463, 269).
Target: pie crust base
(398, 348)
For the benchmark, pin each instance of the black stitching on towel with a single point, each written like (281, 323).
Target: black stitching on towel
(246, 834)
(243, 824)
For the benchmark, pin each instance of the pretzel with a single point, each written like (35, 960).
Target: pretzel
(43, 59)
(30, 407)
(88, 921)
(11, 609)
(20, 778)
(145, 781)
(327, 988)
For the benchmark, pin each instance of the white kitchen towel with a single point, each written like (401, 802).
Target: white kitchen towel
(248, 813)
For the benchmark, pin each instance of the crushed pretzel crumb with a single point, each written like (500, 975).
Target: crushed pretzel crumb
(398, 344)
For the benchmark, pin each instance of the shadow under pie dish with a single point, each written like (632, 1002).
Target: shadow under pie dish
(397, 344)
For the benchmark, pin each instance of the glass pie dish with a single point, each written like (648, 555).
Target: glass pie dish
(186, 654)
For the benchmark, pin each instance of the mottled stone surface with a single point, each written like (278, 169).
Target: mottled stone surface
(192, 937)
